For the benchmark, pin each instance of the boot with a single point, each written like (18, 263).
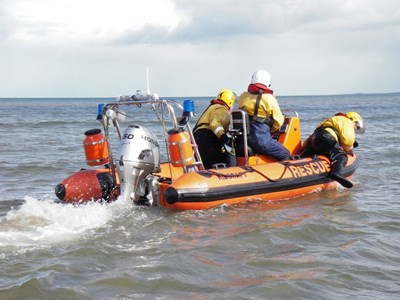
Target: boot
(336, 174)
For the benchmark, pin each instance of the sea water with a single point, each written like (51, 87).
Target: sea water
(337, 244)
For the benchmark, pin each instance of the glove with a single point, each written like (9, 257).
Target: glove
(225, 139)
(355, 145)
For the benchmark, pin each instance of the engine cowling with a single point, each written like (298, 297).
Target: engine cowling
(138, 155)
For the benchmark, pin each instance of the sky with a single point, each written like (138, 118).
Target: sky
(103, 48)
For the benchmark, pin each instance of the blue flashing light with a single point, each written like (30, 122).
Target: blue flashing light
(99, 111)
(188, 107)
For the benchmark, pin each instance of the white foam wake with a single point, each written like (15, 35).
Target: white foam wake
(43, 222)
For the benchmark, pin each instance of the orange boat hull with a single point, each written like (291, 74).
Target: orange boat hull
(204, 189)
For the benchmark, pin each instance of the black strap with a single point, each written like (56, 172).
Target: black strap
(269, 120)
(325, 127)
(257, 104)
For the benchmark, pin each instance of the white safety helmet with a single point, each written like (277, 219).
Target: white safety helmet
(261, 76)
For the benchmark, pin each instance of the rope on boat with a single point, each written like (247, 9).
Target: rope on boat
(248, 169)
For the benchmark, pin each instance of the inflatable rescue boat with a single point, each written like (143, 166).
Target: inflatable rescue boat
(163, 167)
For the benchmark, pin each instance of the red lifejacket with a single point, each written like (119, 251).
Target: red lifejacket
(217, 101)
(254, 88)
(342, 114)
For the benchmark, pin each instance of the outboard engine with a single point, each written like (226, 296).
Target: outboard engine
(138, 155)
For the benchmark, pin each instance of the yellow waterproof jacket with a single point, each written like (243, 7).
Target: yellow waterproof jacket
(215, 118)
(268, 106)
(342, 129)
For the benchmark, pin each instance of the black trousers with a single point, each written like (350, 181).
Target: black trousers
(322, 142)
(210, 148)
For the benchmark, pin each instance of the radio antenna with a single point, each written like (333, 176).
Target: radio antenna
(148, 84)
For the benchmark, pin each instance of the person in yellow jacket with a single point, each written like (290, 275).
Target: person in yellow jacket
(335, 137)
(265, 116)
(210, 131)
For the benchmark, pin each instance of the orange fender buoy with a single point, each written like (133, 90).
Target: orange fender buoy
(87, 185)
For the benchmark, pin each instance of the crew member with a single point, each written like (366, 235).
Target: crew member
(265, 116)
(210, 131)
(335, 137)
